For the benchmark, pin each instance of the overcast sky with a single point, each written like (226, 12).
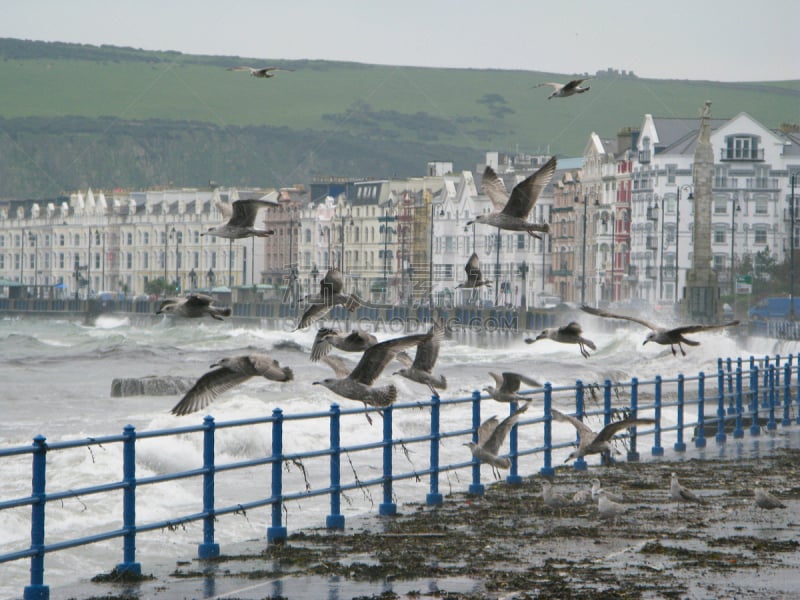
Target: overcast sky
(730, 40)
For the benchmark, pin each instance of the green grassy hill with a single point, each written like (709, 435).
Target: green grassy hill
(76, 115)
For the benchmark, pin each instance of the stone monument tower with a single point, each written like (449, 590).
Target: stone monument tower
(701, 296)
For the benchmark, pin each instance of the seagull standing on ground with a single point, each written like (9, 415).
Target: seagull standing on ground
(240, 225)
(511, 212)
(193, 306)
(552, 499)
(592, 442)
(491, 436)
(607, 508)
(662, 335)
(681, 494)
(263, 72)
(562, 90)
(421, 370)
(508, 385)
(764, 499)
(330, 294)
(357, 385)
(568, 334)
(228, 373)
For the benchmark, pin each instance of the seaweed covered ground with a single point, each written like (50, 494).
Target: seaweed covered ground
(508, 544)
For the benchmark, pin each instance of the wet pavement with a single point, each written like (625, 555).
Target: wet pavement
(508, 544)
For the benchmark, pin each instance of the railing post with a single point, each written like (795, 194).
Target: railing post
(513, 477)
(657, 449)
(387, 507)
(276, 533)
(765, 385)
(37, 590)
(129, 564)
(700, 440)
(335, 520)
(434, 498)
(721, 437)
(633, 455)
(580, 462)
(606, 402)
(787, 393)
(755, 426)
(547, 469)
(729, 367)
(738, 432)
(476, 487)
(680, 446)
(771, 424)
(208, 549)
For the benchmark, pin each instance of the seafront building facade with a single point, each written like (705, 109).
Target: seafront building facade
(620, 218)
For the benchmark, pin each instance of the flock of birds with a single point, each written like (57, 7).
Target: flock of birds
(510, 212)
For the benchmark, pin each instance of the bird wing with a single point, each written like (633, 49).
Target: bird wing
(510, 382)
(602, 313)
(266, 70)
(251, 69)
(376, 357)
(486, 429)
(493, 186)
(198, 300)
(697, 328)
(576, 423)
(498, 380)
(331, 284)
(167, 302)
(571, 328)
(359, 340)
(428, 351)
(207, 388)
(607, 432)
(552, 84)
(313, 313)
(573, 84)
(224, 208)
(268, 367)
(473, 269)
(525, 193)
(245, 211)
(500, 432)
(340, 366)
(322, 344)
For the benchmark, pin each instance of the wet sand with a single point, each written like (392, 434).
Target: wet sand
(508, 544)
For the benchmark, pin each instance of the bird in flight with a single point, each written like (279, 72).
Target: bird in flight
(570, 333)
(662, 335)
(263, 72)
(243, 217)
(511, 212)
(193, 306)
(474, 276)
(491, 435)
(508, 385)
(421, 370)
(562, 90)
(596, 442)
(330, 294)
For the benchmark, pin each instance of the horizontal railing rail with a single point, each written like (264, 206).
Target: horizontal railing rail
(759, 392)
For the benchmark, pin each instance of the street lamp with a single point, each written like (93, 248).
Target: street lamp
(166, 249)
(583, 250)
(34, 239)
(211, 279)
(690, 189)
(791, 250)
(613, 227)
(650, 211)
(89, 266)
(734, 210)
(385, 229)
(344, 216)
(430, 266)
(193, 279)
(523, 272)
(178, 236)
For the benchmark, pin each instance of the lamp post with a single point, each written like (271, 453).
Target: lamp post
(89, 266)
(315, 274)
(583, 250)
(178, 236)
(386, 229)
(34, 240)
(98, 236)
(791, 249)
(430, 266)
(344, 216)
(211, 279)
(166, 249)
(230, 263)
(690, 189)
(497, 268)
(523, 272)
(661, 250)
(193, 279)
(734, 210)
(613, 225)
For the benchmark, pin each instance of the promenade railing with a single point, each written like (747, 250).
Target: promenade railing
(759, 394)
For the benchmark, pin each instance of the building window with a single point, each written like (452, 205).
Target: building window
(762, 205)
(146, 239)
(671, 174)
(719, 236)
(721, 205)
(760, 236)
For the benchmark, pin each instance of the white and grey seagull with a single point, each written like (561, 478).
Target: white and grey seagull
(327, 338)
(474, 276)
(193, 306)
(553, 499)
(562, 90)
(568, 334)
(595, 442)
(662, 335)
(330, 294)
(421, 369)
(764, 499)
(680, 493)
(262, 72)
(511, 212)
(491, 436)
(357, 385)
(241, 223)
(508, 385)
(227, 373)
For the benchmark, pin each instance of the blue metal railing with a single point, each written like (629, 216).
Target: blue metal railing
(773, 380)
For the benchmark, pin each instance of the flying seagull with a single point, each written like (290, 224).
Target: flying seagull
(508, 385)
(662, 335)
(421, 370)
(193, 306)
(330, 294)
(227, 373)
(681, 494)
(568, 334)
(491, 435)
(511, 212)
(327, 338)
(562, 90)
(474, 276)
(357, 385)
(593, 442)
(262, 72)
(240, 225)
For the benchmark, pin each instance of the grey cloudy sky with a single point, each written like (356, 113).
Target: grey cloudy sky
(728, 40)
